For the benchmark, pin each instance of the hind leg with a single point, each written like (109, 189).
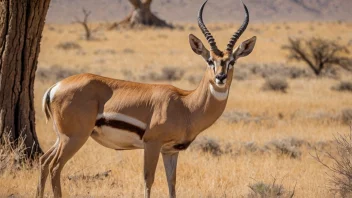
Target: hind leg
(74, 122)
(44, 162)
(67, 147)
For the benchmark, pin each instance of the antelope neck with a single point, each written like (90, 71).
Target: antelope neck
(203, 105)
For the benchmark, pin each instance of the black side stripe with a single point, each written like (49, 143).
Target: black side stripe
(120, 125)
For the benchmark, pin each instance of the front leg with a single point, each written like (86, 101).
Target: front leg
(170, 164)
(151, 156)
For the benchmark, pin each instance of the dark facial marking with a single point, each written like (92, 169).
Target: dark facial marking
(223, 63)
(210, 63)
(120, 125)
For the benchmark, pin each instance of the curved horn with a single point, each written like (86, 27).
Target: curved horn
(240, 31)
(206, 32)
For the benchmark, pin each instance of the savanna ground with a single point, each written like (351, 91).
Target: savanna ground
(263, 135)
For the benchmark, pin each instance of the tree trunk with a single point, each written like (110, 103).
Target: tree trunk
(21, 27)
(141, 15)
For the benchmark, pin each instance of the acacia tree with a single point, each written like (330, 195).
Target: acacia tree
(318, 53)
(141, 15)
(21, 27)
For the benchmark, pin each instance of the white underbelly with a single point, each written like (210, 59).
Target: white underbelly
(116, 138)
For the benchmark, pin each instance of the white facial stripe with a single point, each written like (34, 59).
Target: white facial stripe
(218, 95)
(213, 65)
(53, 91)
(124, 118)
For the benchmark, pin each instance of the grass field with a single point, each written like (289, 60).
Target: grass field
(310, 111)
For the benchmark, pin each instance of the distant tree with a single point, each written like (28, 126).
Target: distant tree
(84, 23)
(141, 15)
(21, 27)
(318, 53)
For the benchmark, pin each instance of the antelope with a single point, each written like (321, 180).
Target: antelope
(124, 115)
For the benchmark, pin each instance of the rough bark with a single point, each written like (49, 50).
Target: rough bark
(21, 26)
(141, 15)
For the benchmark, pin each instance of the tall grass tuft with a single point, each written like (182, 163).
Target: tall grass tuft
(273, 190)
(12, 155)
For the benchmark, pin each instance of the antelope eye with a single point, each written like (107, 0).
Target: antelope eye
(231, 63)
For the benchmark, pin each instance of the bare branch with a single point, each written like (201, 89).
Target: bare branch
(86, 15)
(84, 23)
(298, 53)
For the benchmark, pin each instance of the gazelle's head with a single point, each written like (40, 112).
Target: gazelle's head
(220, 63)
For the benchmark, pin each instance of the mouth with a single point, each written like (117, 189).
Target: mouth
(220, 84)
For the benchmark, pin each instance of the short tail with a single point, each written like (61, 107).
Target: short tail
(46, 104)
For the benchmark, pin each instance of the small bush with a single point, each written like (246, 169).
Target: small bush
(343, 86)
(208, 145)
(104, 52)
(98, 176)
(266, 71)
(294, 72)
(275, 84)
(346, 116)
(55, 73)
(251, 147)
(194, 79)
(288, 147)
(330, 72)
(340, 169)
(128, 74)
(240, 74)
(263, 190)
(192, 28)
(69, 45)
(172, 73)
(236, 116)
(128, 51)
(167, 74)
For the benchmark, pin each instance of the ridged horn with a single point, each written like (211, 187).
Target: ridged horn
(206, 32)
(240, 31)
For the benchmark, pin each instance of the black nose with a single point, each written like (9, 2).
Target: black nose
(221, 76)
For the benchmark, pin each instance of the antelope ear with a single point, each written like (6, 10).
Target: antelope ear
(198, 47)
(245, 48)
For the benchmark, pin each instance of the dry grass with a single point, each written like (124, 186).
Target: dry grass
(309, 111)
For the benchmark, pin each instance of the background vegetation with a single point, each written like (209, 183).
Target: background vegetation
(279, 113)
